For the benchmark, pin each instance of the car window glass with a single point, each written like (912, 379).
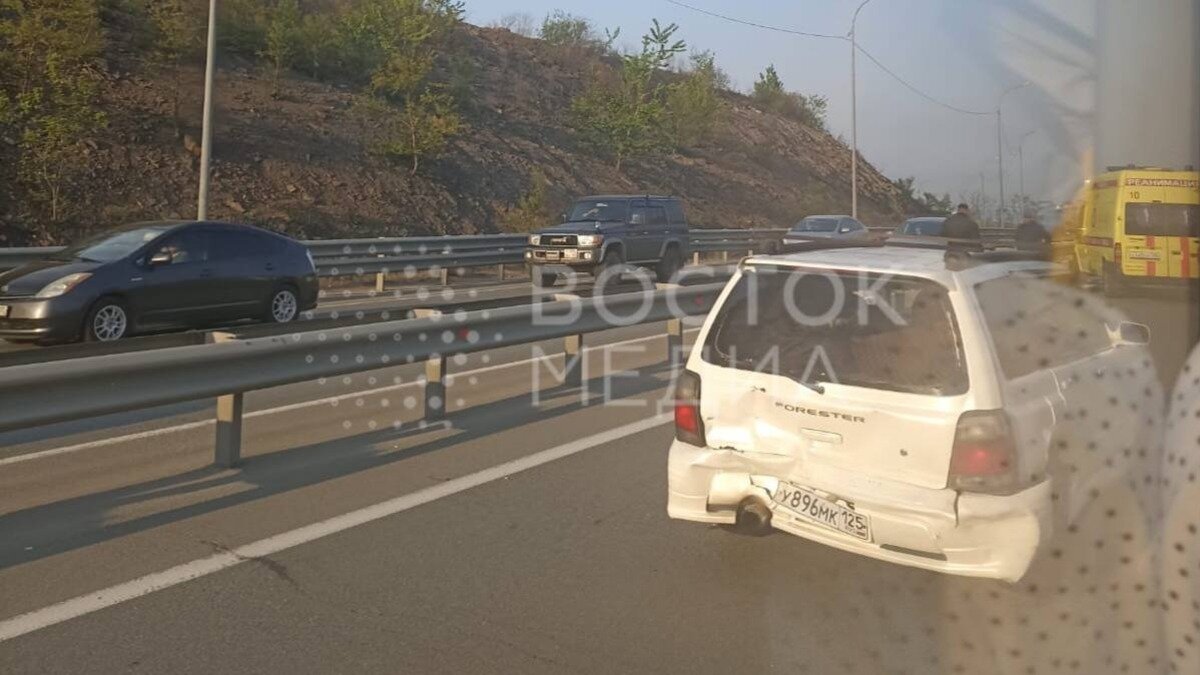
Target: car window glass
(238, 244)
(1037, 323)
(896, 333)
(189, 246)
(675, 212)
(656, 216)
(598, 210)
(816, 225)
(639, 215)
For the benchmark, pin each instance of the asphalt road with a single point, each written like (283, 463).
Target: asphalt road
(526, 535)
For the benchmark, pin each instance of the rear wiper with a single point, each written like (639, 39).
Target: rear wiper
(814, 386)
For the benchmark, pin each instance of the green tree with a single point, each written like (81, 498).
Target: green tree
(48, 91)
(421, 128)
(770, 94)
(769, 88)
(694, 107)
(285, 32)
(532, 210)
(177, 35)
(568, 30)
(407, 33)
(627, 118)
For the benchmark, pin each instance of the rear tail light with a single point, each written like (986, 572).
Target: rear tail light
(984, 457)
(689, 427)
(1117, 253)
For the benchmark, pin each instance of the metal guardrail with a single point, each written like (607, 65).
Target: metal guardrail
(47, 393)
(348, 257)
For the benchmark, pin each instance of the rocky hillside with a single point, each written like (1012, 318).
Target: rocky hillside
(298, 160)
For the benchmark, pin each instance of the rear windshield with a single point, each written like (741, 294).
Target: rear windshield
(588, 210)
(880, 331)
(1163, 220)
(927, 227)
(816, 225)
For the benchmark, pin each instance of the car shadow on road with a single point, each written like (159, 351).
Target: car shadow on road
(50, 529)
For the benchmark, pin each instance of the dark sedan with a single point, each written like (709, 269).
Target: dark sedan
(148, 277)
(922, 227)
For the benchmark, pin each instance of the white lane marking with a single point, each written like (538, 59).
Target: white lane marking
(157, 581)
(188, 426)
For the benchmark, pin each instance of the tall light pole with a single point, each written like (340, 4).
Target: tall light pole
(1000, 144)
(206, 132)
(854, 112)
(1021, 160)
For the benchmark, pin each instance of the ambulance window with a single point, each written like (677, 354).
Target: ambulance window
(1162, 220)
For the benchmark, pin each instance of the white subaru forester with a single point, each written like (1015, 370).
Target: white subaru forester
(905, 404)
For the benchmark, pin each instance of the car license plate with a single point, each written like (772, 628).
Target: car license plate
(809, 506)
(551, 255)
(3, 311)
(571, 254)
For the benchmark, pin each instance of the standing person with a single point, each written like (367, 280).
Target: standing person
(1031, 236)
(961, 225)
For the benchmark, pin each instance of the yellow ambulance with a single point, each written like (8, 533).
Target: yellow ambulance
(1134, 226)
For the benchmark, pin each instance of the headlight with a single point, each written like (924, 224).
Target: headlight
(590, 240)
(63, 285)
(535, 239)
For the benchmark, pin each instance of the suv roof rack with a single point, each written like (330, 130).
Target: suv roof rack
(827, 244)
(959, 259)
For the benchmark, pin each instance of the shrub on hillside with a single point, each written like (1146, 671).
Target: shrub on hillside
(48, 90)
(694, 107)
(770, 94)
(627, 118)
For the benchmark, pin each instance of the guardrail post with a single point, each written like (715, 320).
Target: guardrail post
(675, 343)
(573, 357)
(445, 276)
(435, 388)
(228, 451)
(695, 257)
(379, 280)
(500, 271)
(724, 256)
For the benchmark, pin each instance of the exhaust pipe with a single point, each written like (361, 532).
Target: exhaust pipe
(753, 517)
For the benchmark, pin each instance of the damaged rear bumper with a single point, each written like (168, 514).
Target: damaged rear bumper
(965, 534)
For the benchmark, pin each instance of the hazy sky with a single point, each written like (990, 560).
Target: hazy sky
(962, 52)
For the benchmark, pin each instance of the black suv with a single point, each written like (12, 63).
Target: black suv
(603, 231)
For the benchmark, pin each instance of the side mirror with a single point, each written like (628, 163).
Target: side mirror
(159, 257)
(562, 217)
(1134, 333)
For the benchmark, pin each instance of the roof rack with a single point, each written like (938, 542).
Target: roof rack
(959, 259)
(827, 244)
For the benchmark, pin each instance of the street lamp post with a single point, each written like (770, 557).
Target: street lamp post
(1000, 145)
(1021, 160)
(206, 132)
(854, 113)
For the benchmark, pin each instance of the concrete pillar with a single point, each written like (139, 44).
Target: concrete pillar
(573, 356)
(675, 343)
(228, 451)
(435, 388)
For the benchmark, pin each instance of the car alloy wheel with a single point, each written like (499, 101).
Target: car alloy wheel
(109, 323)
(283, 306)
